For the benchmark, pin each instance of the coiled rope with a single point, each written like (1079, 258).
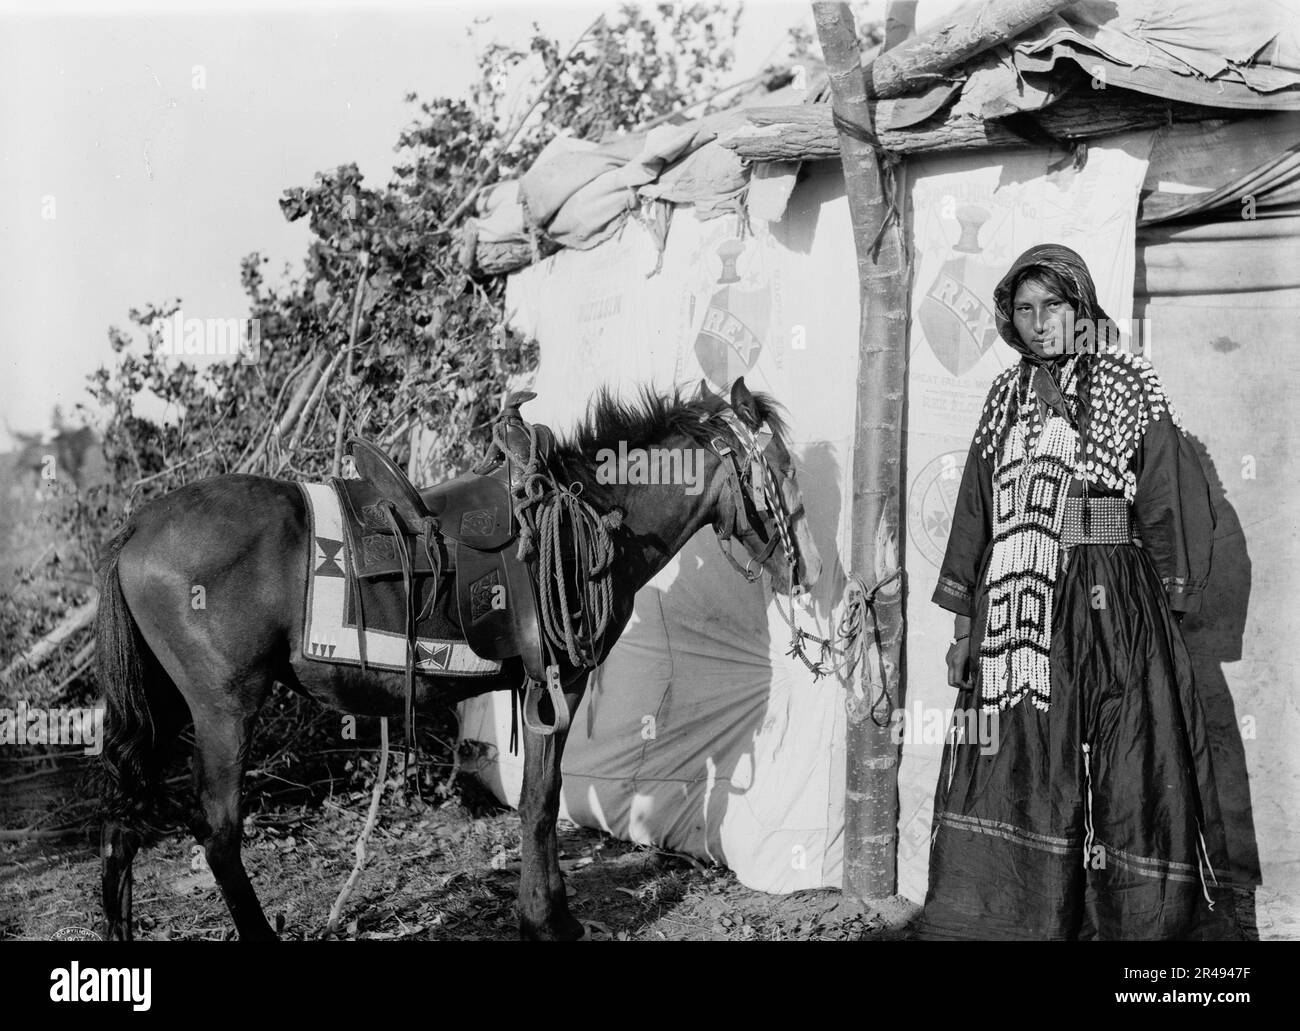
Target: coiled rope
(572, 625)
(593, 553)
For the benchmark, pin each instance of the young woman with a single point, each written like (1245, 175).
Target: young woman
(1081, 534)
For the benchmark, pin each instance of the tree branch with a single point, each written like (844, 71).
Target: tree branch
(376, 793)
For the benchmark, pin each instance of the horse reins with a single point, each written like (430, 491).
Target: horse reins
(762, 495)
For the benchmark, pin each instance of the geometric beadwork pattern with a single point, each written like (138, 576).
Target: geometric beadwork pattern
(1126, 397)
(1034, 459)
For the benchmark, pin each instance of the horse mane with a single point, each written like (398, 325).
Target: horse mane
(649, 419)
(652, 417)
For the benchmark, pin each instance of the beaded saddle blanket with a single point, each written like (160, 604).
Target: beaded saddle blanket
(330, 621)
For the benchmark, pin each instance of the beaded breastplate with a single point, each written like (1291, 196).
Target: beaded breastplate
(1126, 397)
(1035, 458)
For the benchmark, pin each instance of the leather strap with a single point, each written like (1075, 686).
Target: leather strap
(515, 692)
(433, 550)
(740, 515)
(741, 523)
(408, 586)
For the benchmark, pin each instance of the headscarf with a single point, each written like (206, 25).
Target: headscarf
(1070, 267)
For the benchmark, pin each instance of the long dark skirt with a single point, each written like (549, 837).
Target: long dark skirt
(1044, 838)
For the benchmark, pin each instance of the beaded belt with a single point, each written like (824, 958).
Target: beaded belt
(1108, 522)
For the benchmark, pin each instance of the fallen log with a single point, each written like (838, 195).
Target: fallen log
(39, 653)
(25, 834)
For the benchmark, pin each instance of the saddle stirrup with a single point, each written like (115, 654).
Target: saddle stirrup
(559, 705)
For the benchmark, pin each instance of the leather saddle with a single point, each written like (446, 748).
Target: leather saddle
(464, 529)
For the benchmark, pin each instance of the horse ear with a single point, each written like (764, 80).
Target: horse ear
(744, 405)
(702, 391)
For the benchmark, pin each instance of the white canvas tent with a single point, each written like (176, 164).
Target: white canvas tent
(700, 733)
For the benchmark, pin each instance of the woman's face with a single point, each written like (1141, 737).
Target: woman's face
(1042, 317)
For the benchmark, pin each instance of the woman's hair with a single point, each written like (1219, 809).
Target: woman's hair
(1060, 285)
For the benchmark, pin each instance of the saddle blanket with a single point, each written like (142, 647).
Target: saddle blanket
(330, 624)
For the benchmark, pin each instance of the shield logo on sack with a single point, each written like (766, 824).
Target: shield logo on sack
(735, 323)
(955, 315)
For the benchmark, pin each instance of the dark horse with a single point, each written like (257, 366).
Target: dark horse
(245, 540)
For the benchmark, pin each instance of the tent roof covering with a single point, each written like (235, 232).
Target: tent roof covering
(1086, 72)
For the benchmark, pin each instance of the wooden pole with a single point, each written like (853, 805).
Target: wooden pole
(871, 789)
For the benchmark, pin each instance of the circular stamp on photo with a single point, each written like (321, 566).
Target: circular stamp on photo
(930, 505)
(75, 934)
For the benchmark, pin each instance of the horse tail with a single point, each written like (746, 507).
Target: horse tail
(129, 675)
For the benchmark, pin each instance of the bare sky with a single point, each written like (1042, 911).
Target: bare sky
(157, 189)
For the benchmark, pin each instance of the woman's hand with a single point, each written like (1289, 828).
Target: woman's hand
(959, 663)
(959, 653)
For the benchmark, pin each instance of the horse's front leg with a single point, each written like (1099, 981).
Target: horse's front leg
(543, 908)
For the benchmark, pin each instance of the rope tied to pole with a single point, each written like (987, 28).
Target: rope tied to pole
(846, 644)
(889, 181)
(859, 601)
(862, 603)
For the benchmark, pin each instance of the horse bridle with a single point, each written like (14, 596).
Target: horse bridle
(752, 469)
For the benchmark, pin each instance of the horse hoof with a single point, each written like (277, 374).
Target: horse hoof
(116, 931)
(260, 935)
(565, 929)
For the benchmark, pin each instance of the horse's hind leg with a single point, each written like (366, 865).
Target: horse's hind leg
(543, 906)
(220, 754)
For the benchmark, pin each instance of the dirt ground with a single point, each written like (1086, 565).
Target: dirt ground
(445, 867)
(442, 868)
(434, 873)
